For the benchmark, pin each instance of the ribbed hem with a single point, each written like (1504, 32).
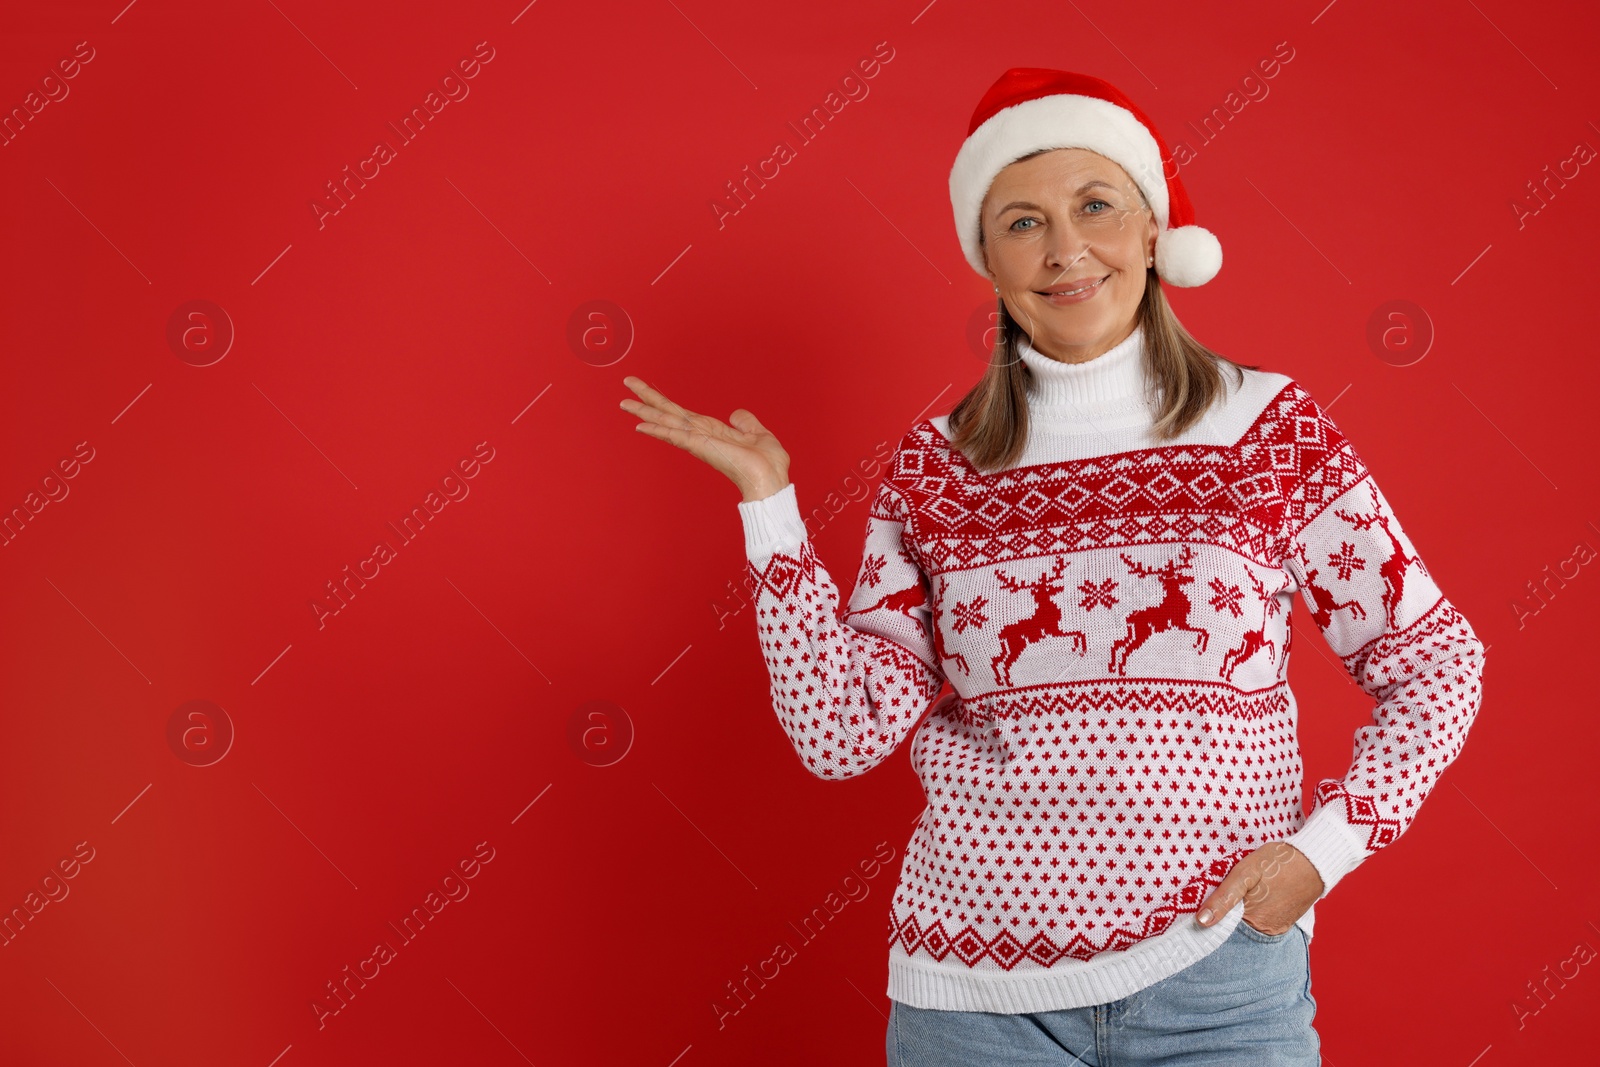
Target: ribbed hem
(1112, 975)
(772, 524)
(1334, 847)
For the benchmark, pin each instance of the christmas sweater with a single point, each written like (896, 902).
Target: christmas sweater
(1112, 615)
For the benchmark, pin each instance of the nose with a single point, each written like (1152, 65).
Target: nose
(1067, 245)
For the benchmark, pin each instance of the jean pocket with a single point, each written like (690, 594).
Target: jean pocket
(1253, 934)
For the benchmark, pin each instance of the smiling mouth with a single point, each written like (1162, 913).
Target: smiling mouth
(1079, 290)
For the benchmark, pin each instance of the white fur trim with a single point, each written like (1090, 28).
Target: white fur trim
(1059, 121)
(1189, 255)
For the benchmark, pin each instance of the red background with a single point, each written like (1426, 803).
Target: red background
(436, 710)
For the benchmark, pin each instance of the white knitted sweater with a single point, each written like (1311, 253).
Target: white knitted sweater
(1112, 616)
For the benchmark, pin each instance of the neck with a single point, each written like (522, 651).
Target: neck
(1065, 394)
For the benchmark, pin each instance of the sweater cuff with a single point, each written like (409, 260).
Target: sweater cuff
(1334, 847)
(772, 524)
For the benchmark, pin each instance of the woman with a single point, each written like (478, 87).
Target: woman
(1098, 549)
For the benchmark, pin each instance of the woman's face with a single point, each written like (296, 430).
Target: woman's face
(1062, 220)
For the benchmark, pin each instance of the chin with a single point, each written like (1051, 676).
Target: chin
(1079, 325)
(1071, 328)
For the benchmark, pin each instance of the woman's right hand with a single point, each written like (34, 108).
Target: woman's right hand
(746, 452)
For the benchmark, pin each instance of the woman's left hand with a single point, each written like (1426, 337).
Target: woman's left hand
(1278, 884)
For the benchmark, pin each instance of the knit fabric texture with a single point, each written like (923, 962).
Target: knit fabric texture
(1112, 615)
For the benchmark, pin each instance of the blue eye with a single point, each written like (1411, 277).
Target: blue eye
(1102, 203)
(1025, 218)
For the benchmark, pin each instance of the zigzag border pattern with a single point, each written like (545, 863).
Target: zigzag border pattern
(1068, 703)
(1006, 950)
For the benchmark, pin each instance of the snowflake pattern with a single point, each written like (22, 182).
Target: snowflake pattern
(1226, 597)
(1097, 594)
(1346, 561)
(970, 615)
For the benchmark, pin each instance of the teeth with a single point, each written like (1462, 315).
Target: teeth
(1075, 292)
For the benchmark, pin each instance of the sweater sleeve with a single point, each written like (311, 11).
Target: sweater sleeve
(1400, 640)
(848, 686)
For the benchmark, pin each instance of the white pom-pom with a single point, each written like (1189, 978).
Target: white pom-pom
(1188, 256)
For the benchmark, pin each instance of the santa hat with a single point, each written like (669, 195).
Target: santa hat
(1030, 109)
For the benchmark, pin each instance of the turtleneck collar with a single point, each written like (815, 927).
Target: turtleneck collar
(1111, 383)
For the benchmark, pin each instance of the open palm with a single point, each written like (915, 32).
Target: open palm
(746, 451)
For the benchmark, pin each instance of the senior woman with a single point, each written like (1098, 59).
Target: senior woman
(1098, 549)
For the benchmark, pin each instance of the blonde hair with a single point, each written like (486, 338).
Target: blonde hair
(990, 424)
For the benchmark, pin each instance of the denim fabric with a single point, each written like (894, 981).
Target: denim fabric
(1246, 1004)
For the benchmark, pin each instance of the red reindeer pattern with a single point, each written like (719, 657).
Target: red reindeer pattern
(939, 650)
(1394, 568)
(1255, 640)
(1171, 614)
(1323, 602)
(906, 601)
(1044, 622)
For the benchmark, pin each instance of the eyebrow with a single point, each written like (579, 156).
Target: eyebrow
(1084, 188)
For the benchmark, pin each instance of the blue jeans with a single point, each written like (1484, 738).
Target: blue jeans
(1246, 1004)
